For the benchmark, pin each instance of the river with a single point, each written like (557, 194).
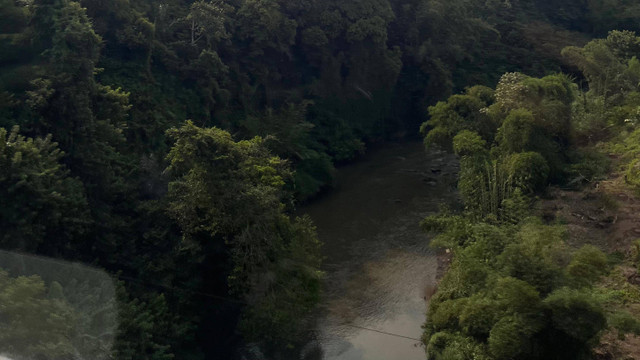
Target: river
(377, 261)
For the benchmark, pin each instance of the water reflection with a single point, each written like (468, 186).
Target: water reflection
(378, 262)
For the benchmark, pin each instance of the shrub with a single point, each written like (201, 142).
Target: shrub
(479, 316)
(484, 93)
(587, 265)
(517, 131)
(447, 313)
(468, 143)
(448, 118)
(516, 296)
(510, 338)
(534, 258)
(448, 346)
(625, 323)
(576, 313)
(528, 171)
(516, 207)
(466, 277)
(437, 137)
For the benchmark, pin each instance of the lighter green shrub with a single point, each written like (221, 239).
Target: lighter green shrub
(468, 143)
(587, 266)
(517, 131)
(510, 337)
(528, 171)
(576, 313)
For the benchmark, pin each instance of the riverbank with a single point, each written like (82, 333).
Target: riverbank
(605, 214)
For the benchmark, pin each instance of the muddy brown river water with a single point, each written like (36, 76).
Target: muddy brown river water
(377, 260)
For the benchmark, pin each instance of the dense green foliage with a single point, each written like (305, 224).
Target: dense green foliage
(515, 290)
(231, 193)
(515, 137)
(368, 67)
(610, 107)
(43, 207)
(99, 164)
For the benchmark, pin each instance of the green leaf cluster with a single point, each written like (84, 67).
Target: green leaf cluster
(515, 137)
(514, 291)
(230, 194)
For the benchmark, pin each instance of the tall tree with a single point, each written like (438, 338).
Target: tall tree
(44, 209)
(228, 198)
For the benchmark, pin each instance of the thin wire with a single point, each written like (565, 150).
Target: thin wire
(218, 297)
(224, 298)
(380, 332)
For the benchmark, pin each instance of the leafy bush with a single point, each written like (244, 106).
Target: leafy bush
(588, 265)
(479, 316)
(459, 112)
(437, 137)
(528, 171)
(511, 337)
(451, 346)
(43, 208)
(514, 290)
(468, 143)
(39, 326)
(526, 124)
(625, 323)
(511, 292)
(577, 314)
(517, 132)
(484, 93)
(516, 207)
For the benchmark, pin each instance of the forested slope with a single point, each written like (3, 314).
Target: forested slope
(522, 283)
(99, 164)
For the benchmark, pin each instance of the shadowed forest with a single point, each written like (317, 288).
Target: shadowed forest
(171, 143)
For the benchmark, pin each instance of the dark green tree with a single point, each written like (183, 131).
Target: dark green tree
(227, 197)
(44, 209)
